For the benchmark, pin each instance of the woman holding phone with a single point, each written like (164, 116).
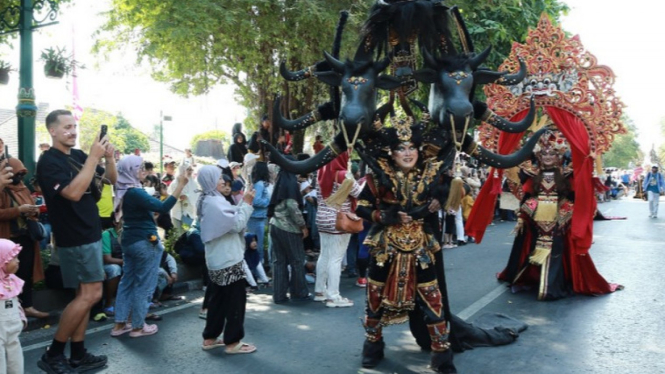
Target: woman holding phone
(17, 206)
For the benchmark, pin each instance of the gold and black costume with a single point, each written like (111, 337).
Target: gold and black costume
(402, 273)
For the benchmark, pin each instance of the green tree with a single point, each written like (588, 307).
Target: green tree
(500, 23)
(625, 148)
(208, 42)
(89, 127)
(12, 17)
(223, 136)
(133, 138)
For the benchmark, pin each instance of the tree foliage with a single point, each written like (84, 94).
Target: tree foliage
(12, 17)
(223, 136)
(133, 138)
(625, 148)
(122, 135)
(500, 23)
(207, 42)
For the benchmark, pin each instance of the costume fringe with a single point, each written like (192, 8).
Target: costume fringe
(339, 197)
(540, 255)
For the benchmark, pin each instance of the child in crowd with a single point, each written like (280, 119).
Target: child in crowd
(453, 204)
(43, 212)
(253, 260)
(236, 191)
(12, 317)
(467, 203)
(311, 242)
(167, 275)
(163, 219)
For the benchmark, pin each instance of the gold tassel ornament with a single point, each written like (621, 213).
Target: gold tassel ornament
(338, 198)
(542, 252)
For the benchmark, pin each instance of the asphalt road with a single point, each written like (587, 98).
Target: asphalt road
(617, 333)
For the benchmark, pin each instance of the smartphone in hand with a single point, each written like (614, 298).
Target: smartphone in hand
(103, 131)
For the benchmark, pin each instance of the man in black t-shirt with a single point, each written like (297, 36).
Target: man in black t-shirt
(69, 180)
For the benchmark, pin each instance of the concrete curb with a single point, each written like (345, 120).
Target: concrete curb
(54, 301)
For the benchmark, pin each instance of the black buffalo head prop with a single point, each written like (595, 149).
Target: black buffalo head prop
(453, 79)
(359, 81)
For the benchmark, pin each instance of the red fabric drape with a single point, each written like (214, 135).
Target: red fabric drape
(585, 203)
(335, 171)
(482, 212)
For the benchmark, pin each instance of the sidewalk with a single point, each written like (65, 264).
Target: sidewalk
(54, 301)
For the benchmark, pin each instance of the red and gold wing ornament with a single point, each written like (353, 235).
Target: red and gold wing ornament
(562, 74)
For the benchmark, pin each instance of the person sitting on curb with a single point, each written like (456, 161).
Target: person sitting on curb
(112, 257)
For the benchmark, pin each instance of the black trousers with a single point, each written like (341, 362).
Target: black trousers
(26, 268)
(287, 248)
(226, 312)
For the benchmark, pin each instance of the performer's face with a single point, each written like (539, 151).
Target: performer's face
(549, 157)
(405, 156)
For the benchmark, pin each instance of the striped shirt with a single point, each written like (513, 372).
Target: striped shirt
(327, 215)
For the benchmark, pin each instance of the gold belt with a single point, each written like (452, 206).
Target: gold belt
(406, 237)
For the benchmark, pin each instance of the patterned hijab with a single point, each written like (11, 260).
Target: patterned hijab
(128, 177)
(10, 284)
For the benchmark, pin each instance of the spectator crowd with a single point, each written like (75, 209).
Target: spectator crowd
(104, 223)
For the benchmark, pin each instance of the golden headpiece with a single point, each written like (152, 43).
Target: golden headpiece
(551, 139)
(403, 128)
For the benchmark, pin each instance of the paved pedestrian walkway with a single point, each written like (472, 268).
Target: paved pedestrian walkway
(617, 333)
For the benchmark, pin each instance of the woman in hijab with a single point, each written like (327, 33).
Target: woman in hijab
(222, 226)
(333, 242)
(184, 211)
(287, 231)
(16, 207)
(141, 247)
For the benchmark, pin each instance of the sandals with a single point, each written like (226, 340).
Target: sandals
(116, 333)
(241, 348)
(218, 343)
(153, 317)
(145, 331)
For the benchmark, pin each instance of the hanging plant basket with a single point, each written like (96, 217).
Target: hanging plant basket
(54, 70)
(4, 76)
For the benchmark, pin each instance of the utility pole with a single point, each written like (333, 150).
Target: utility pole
(162, 118)
(24, 24)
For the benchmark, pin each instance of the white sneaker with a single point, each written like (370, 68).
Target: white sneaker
(339, 302)
(319, 297)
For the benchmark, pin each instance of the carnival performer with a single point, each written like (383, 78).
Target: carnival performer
(402, 271)
(541, 256)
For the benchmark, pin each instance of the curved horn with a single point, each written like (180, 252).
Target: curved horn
(505, 161)
(327, 154)
(429, 60)
(337, 65)
(512, 127)
(480, 58)
(502, 78)
(383, 111)
(382, 65)
(295, 76)
(296, 124)
(425, 116)
(423, 108)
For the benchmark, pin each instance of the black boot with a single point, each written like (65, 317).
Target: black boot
(442, 362)
(372, 353)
